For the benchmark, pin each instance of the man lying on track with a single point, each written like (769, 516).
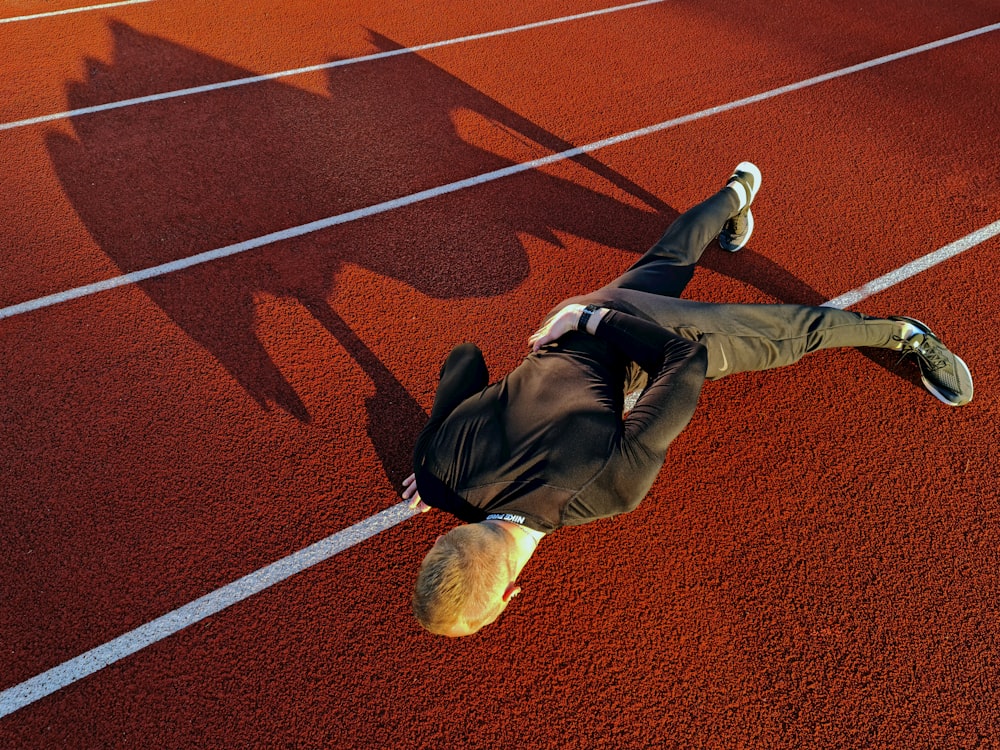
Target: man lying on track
(551, 445)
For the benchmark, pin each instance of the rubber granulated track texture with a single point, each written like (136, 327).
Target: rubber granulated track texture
(817, 565)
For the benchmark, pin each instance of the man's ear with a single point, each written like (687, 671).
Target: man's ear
(511, 591)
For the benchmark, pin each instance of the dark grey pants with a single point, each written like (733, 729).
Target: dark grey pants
(739, 338)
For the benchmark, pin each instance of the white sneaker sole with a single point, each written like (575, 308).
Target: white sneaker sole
(747, 166)
(967, 379)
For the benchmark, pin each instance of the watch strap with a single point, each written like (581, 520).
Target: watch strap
(585, 317)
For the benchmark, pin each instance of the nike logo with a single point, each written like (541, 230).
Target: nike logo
(725, 362)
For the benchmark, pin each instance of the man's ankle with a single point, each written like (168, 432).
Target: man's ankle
(740, 191)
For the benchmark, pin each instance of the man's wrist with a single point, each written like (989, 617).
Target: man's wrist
(595, 320)
(590, 318)
(583, 322)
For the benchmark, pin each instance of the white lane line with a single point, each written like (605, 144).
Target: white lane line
(92, 661)
(917, 266)
(390, 205)
(97, 658)
(313, 68)
(67, 11)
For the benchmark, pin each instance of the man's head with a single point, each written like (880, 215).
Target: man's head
(467, 579)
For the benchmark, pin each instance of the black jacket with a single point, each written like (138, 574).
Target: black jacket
(548, 446)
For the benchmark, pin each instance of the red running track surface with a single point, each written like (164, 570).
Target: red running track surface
(817, 566)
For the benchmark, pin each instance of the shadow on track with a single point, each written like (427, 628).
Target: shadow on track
(170, 179)
(166, 180)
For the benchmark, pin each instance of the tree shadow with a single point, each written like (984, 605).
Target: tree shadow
(173, 178)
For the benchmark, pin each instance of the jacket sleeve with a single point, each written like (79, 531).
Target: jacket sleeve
(676, 367)
(463, 374)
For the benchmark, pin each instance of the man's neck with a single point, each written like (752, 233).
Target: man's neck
(525, 541)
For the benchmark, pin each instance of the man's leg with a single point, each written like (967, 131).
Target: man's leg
(743, 338)
(668, 266)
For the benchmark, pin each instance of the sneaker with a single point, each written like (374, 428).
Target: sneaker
(943, 374)
(736, 232)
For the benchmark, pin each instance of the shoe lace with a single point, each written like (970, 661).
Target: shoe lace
(922, 346)
(738, 223)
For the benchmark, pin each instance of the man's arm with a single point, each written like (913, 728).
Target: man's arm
(463, 374)
(677, 370)
(643, 342)
(676, 367)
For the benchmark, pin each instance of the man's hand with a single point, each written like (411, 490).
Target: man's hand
(564, 321)
(558, 325)
(412, 494)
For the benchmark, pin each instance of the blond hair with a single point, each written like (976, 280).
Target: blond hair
(462, 578)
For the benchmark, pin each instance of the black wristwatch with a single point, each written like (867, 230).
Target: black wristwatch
(589, 310)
